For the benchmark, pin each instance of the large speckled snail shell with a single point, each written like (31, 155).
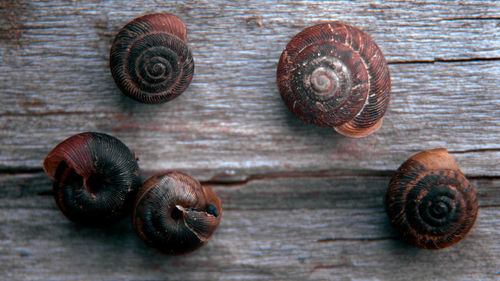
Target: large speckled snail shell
(175, 214)
(334, 75)
(150, 60)
(96, 178)
(430, 202)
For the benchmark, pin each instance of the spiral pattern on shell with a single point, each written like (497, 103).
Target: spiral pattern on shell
(430, 202)
(175, 214)
(150, 60)
(334, 75)
(96, 178)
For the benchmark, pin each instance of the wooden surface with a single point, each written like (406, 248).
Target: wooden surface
(300, 202)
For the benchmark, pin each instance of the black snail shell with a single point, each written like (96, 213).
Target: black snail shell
(430, 202)
(150, 60)
(334, 75)
(96, 178)
(175, 214)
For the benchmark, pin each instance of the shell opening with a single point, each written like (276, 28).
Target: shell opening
(66, 175)
(94, 183)
(212, 210)
(176, 213)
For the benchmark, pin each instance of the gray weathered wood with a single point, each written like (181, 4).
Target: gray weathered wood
(56, 82)
(300, 202)
(248, 245)
(203, 130)
(273, 228)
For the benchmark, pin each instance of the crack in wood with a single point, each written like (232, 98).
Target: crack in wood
(470, 18)
(299, 174)
(45, 193)
(227, 181)
(20, 170)
(51, 113)
(318, 174)
(474, 150)
(356, 239)
(489, 206)
(438, 60)
(331, 266)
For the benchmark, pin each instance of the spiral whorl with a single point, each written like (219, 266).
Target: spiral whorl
(335, 75)
(430, 202)
(150, 60)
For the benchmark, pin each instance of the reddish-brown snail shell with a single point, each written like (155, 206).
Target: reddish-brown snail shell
(96, 178)
(175, 214)
(430, 202)
(334, 75)
(150, 60)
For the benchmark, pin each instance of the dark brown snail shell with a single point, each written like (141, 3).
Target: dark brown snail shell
(175, 214)
(430, 202)
(334, 75)
(95, 178)
(150, 60)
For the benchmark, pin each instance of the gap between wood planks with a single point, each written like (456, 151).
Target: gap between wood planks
(228, 182)
(275, 175)
(299, 174)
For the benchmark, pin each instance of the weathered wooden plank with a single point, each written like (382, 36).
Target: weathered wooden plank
(454, 105)
(313, 244)
(58, 84)
(407, 30)
(277, 226)
(300, 202)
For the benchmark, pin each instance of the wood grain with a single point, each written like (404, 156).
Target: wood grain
(300, 202)
(56, 83)
(273, 228)
(194, 132)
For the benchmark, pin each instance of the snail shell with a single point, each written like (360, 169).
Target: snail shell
(334, 75)
(150, 60)
(175, 214)
(95, 178)
(430, 202)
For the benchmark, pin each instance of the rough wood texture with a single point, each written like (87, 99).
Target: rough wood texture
(300, 202)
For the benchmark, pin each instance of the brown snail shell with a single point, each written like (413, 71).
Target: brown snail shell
(175, 214)
(334, 75)
(96, 178)
(430, 202)
(150, 60)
